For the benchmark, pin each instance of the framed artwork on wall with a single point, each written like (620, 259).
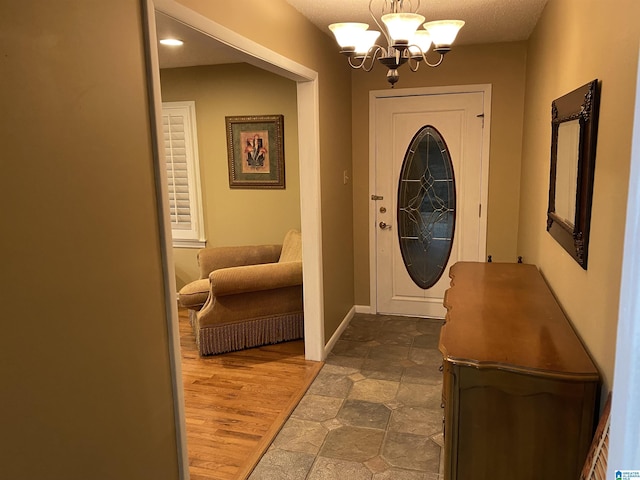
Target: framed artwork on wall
(255, 149)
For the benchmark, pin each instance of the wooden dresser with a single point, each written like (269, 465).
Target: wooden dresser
(520, 391)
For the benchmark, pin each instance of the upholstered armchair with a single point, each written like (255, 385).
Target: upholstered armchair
(246, 296)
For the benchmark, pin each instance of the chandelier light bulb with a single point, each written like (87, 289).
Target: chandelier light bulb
(402, 26)
(348, 33)
(420, 43)
(443, 32)
(365, 41)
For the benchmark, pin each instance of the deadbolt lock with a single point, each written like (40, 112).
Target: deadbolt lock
(383, 210)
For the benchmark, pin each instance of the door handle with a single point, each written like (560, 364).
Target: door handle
(384, 226)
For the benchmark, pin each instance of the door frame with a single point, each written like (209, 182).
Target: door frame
(374, 96)
(309, 157)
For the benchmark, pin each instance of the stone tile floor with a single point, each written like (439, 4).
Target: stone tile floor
(372, 413)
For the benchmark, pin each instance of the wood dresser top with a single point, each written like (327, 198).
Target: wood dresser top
(503, 315)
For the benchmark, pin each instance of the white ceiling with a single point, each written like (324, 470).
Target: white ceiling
(487, 21)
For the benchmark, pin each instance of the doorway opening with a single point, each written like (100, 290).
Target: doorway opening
(308, 121)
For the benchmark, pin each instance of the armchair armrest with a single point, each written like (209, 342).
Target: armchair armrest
(215, 258)
(252, 278)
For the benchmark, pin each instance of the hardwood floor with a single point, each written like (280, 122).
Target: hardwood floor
(236, 403)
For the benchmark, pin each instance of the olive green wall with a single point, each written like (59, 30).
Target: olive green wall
(84, 348)
(503, 66)
(574, 43)
(282, 29)
(236, 216)
(84, 354)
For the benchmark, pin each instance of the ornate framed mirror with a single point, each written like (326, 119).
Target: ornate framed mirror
(574, 129)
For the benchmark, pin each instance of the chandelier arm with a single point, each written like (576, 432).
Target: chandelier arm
(377, 53)
(411, 9)
(363, 62)
(410, 62)
(424, 57)
(357, 65)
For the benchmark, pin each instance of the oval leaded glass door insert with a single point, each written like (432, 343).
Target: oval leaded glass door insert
(426, 207)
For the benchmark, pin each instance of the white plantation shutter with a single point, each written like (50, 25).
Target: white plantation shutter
(177, 170)
(183, 176)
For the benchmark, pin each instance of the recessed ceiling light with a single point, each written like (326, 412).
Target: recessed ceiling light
(174, 42)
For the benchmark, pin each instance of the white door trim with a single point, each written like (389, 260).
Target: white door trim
(374, 95)
(309, 157)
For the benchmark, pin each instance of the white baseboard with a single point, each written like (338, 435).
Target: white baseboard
(343, 325)
(363, 309)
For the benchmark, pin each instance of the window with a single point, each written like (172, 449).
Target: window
(183, 173)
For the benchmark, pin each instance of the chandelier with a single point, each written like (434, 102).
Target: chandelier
(406, 42)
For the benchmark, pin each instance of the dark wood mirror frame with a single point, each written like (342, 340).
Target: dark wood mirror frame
(582, 104)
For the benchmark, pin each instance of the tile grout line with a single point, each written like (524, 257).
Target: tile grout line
(355, 365)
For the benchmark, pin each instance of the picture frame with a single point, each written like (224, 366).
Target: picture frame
(574, 131)
(255, 149)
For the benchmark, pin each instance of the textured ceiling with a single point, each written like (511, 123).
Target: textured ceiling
(487, 21)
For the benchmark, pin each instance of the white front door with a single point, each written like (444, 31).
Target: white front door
(459, 118)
